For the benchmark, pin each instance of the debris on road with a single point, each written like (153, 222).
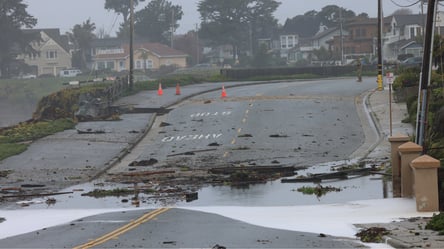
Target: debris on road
(190, 153)
(146, 173)
(318, 191)
(35, 194)
(278, 135)
(149, 162)
(90, 131)
(343, 174)
(372, 234)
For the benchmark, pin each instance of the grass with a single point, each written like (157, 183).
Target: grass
(436, 223)
(12, 139)
(11, 149)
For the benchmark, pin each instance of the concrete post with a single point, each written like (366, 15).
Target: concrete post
(408, 152)
(395, 142)
(425, 173)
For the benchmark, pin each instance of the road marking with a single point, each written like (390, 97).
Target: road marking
(239, 130)
(191, 137)
(133, 224)
(244, 120)
(233, 141)
(209, 114)
(226, 153)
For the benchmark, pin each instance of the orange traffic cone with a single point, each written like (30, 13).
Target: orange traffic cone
(224, 93)
(160, 91)
(177, 89)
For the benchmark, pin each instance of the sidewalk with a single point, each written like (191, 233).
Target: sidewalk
(409, 231)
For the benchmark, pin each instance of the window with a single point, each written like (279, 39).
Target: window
(105, 65)
(149, 63)
(290, 41)
(110, 64)
(139, 64)
(122, 64)
(283, 42)
(412, 32)
(51, 54)
(100, 65)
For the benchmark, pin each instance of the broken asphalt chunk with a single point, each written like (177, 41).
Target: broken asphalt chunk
(278, 135)
(149, 162)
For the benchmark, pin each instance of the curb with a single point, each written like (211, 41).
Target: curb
(126, 150)
(396, 243)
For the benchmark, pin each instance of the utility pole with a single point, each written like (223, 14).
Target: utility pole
(380, 23)
(197, 44)
(341, 35)
(131, 63)
(172, 28)
(421, 121)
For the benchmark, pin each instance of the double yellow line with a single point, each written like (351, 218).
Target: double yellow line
(133, 224)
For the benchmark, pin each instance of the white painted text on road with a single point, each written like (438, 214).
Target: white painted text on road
(191, 137)
(208, 114)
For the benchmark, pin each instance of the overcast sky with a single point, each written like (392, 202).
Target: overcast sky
(64, 14)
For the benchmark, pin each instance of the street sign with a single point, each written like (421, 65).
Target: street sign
(389, 77)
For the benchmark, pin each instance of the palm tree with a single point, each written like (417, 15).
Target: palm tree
(82, 36)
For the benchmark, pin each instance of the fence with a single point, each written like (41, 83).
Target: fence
(326, 71)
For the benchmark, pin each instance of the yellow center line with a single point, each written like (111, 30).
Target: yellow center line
(133, 224)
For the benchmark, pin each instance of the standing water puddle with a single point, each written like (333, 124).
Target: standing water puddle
(273, 193)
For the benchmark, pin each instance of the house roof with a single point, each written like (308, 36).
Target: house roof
(54, 34)
(107, 42)
(403, 20)
(160, 50)
(361, 21)
(325, 33)
(401, 44)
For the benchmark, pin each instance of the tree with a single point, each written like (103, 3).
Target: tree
(236, 22)
(262, 58)
(322, 54)
(329, 15)
(82, 35)
(189, 44)
(157, 20)
(13, 41)
(120, 7)
(403, 11)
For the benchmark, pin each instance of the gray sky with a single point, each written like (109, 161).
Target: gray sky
(64, 14)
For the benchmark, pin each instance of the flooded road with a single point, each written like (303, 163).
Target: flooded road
(273, 193)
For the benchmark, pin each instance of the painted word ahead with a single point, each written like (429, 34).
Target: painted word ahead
(209, 114)
(191, 137)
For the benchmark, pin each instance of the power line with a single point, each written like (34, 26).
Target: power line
(404, 6)
(114, 23)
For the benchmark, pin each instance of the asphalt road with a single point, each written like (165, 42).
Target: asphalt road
(296, 123)
(171, 228)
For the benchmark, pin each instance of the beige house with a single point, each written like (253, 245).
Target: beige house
(53, 53)
(146, 56)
